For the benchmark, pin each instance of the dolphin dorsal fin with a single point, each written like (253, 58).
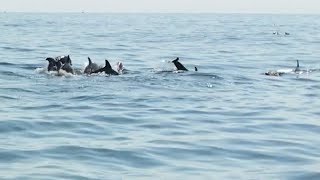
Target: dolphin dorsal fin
(69, 60)
(176, 60)
(90, 62)
(298, 66)
(107, 64)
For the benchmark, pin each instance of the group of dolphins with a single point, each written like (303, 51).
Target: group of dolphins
(64, 63)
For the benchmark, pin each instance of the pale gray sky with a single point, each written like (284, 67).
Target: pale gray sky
(185, 6)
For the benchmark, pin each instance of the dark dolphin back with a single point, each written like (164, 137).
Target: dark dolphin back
(68, 68)
(91, 67)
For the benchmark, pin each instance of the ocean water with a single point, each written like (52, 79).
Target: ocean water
(226, 121)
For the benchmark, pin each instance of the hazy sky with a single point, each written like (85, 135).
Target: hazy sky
(232, 6)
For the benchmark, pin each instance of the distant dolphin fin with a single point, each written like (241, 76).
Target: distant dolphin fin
(90, 62)
(298, 66)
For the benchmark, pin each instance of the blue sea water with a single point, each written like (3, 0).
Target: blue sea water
(226, 121)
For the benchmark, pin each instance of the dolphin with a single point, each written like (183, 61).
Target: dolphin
(178, 65)
(281, 72)
(91, 67)
(64, 59)
(67, 66)
(107, 69)
(53, 64)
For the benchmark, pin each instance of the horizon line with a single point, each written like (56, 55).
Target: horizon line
(156, 12)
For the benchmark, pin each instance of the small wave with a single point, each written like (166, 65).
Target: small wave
(83, 98)
(14, 126)
(7, 64)
(10, 156)
(18, 49)
(311, 175)
(129, 158)
(12, 89)
(34, 107)
(8, 97)
(23, 66)
(113, 119)
(226, 52)
(208, 75)
(305, 79)
(12, 74)
(100, 35)
(233, 38)
(12, 25)
(28, 66)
